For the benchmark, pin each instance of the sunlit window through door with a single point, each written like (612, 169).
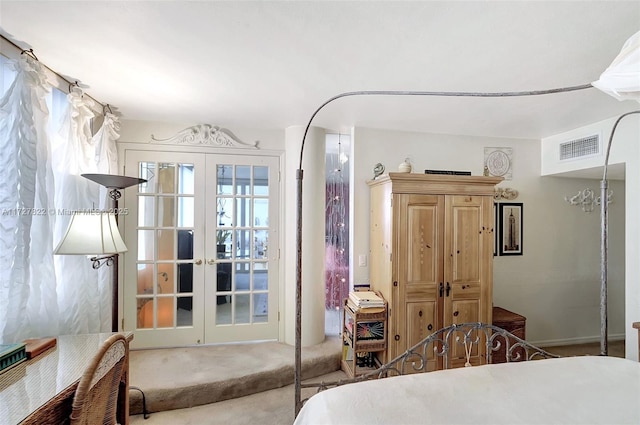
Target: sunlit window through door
(165, 245)
(165, 223)
(205, 255)
(242, 243)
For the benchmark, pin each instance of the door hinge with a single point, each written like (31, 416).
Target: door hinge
(279, 176)
(391, 196)
(122, 324)
(278, 253)
(278, 316)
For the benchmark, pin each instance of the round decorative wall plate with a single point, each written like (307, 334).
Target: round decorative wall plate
(498, 163)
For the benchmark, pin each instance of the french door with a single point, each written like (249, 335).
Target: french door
(202, 265)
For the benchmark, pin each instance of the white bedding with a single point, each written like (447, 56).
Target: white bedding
(571, 390)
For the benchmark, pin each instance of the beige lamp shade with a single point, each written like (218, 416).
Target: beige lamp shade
(91, 233)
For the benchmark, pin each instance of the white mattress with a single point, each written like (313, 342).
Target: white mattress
(571, 390)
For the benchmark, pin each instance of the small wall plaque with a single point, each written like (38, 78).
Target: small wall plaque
(499, 162)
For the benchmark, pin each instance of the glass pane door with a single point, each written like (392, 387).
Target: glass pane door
(164, 236)
(165, 245)
(202, 233)
(244, 193)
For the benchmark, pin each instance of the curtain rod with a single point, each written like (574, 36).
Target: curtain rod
(63, 84)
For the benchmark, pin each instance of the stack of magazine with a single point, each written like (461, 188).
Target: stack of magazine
(365, 300)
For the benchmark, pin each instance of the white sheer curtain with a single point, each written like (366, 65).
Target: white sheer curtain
(40, 166)
(27, 276)
(105, 141)
(78, 288)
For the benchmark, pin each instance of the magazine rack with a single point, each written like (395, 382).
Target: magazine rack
(364, 332)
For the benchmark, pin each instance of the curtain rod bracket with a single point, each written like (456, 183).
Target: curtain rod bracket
(30, 53)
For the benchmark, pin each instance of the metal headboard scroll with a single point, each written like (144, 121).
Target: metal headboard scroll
(443, 344)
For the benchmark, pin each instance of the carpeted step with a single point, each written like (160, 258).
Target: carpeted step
(191, 376)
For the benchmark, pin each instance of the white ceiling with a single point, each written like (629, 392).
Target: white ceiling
(269, 64)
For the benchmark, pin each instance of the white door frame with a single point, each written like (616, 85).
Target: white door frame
(128, 323)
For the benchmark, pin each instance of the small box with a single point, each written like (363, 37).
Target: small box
(37, 346)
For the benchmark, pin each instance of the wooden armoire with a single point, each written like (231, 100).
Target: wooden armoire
(431, 255)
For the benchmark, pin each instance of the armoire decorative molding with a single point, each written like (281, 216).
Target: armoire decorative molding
(206, 134)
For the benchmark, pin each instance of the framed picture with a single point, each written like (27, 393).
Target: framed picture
(510, 223)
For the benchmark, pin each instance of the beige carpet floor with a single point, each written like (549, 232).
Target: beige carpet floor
(616, 349)
(276, 407)
(177, 378)
(273, 407)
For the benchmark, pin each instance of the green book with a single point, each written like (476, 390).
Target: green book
(12, 354)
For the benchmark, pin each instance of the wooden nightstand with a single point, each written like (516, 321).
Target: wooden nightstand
(510, 322)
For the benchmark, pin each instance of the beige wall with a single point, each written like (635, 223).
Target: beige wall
(141, 132)
(555, 284)
(625, 150)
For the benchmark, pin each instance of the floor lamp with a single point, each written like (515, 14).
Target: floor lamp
(96, 233)
(632, 85)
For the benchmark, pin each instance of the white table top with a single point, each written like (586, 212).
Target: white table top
(30, 384)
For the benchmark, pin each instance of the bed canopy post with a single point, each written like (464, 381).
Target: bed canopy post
(299, 176)
(620, 80)
(604, 243)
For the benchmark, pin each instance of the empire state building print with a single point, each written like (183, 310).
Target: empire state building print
(512, 234)
(511, 229)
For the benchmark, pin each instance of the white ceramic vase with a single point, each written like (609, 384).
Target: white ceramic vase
(405, 167)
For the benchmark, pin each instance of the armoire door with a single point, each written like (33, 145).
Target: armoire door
(468, 259)
(202, 233)
(419, 270)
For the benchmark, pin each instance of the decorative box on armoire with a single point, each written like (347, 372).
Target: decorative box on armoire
(512, 323)
(431, 256)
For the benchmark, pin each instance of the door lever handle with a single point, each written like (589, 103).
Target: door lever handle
(441, 289)
(448, 289)
(211, 261)
(198, 262)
